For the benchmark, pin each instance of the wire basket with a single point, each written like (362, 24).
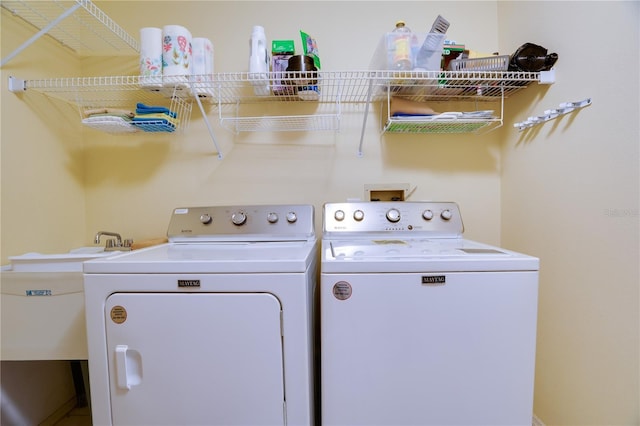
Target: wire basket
(451, 126)
(489, 63)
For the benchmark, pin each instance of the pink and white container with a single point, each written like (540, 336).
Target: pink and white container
(176, 51)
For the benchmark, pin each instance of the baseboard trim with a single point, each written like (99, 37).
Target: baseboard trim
(536, 421)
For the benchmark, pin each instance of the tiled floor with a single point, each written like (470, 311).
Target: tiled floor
(76, 417)
(82, 417)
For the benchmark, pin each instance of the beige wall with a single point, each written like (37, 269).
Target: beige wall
(570, 196)
(42, 203)
(156, 174)
(61, 183)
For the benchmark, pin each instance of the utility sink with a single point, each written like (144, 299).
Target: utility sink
(43, 305)
(63, 262)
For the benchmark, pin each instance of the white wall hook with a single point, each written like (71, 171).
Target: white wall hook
(550, 114)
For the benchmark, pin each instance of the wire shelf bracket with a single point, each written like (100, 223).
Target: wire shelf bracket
(206, 122)
(80, 34)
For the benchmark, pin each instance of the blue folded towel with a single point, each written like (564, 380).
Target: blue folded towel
(146, 109)
(154, 125)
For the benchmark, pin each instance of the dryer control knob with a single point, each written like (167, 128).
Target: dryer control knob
(206, 218)
(292, 217)
(446, 214)
(358, 215)
(239, 218)
(272, 217)
(393, 215)
(339, 215)
(427, 215)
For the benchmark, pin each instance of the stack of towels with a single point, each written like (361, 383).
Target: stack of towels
(154, 118)
(111, 120)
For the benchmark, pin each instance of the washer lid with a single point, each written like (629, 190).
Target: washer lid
(419, 255)
(223, 257)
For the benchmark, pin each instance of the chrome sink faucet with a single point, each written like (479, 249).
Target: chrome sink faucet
(111, 245)
(111, 234)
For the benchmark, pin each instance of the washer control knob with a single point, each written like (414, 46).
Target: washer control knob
(358, 215)
(206, 218)
(238, 218)
(292, 217)
(272, 217)
(393, 215)
(339, 215)
(446, 214)
(427, 215)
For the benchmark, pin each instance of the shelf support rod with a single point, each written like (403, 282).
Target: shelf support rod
(40, 33)
(206, 122)
(501, 104)
(366, 114)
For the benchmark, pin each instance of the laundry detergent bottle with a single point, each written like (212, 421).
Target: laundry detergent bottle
(259, 62)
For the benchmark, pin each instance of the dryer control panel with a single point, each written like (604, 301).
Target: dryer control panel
(415, 218)
(242, 223)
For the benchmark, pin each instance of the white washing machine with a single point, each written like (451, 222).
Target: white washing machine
(214, 327)
(420, 326)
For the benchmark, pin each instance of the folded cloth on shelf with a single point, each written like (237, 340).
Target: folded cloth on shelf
(451, 115)
(155, 122)
(111, 111)
(156, 117)
(97, 117)
(110, 123)
(146, 117)
(405, 106)
(148, 109)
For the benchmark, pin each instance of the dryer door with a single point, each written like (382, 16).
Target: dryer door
(195, 359)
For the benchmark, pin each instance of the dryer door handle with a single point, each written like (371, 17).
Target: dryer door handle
(128, 368)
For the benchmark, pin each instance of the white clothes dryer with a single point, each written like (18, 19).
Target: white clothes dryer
(420, 326)
(214, 327)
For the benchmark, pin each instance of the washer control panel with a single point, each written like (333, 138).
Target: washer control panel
(412, 217)
(242, 223)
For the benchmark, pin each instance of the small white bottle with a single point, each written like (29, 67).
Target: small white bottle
(259, 62)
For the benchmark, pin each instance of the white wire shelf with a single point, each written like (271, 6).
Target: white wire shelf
(79, 25)
(115, 91)
(121, 93)
(440, 86)
(450, 86)
(341, 86)
(231, 91)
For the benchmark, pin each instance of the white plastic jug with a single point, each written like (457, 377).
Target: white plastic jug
(259, 62)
